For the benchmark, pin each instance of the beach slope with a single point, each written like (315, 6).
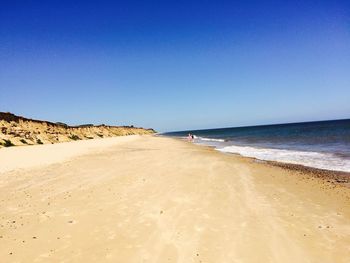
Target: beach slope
(153, 199)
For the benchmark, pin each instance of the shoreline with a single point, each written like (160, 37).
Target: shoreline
(335, 177)
(331, 176)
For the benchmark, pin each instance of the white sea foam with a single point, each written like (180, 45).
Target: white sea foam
(312, 159)
(211, 139)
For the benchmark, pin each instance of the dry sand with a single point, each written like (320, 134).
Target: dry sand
(152, 199)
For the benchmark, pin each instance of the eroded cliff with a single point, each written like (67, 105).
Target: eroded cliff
(17, 130)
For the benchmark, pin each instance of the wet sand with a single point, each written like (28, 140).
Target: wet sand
(334, 177)
(152, 199)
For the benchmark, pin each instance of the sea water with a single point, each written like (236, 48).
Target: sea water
(321, 144)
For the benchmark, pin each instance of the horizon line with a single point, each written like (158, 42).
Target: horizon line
(259, 125)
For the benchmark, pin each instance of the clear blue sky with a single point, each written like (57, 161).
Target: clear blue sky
(175, 65)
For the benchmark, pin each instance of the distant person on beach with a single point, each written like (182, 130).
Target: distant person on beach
(189, 137)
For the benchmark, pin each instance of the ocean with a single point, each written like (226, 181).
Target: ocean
(321, 144)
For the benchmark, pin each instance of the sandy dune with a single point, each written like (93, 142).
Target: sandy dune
(17, 130)
(151, 199)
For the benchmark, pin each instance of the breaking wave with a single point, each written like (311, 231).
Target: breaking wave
(319, 160)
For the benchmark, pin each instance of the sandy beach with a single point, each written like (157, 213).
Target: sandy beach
(155, 199)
